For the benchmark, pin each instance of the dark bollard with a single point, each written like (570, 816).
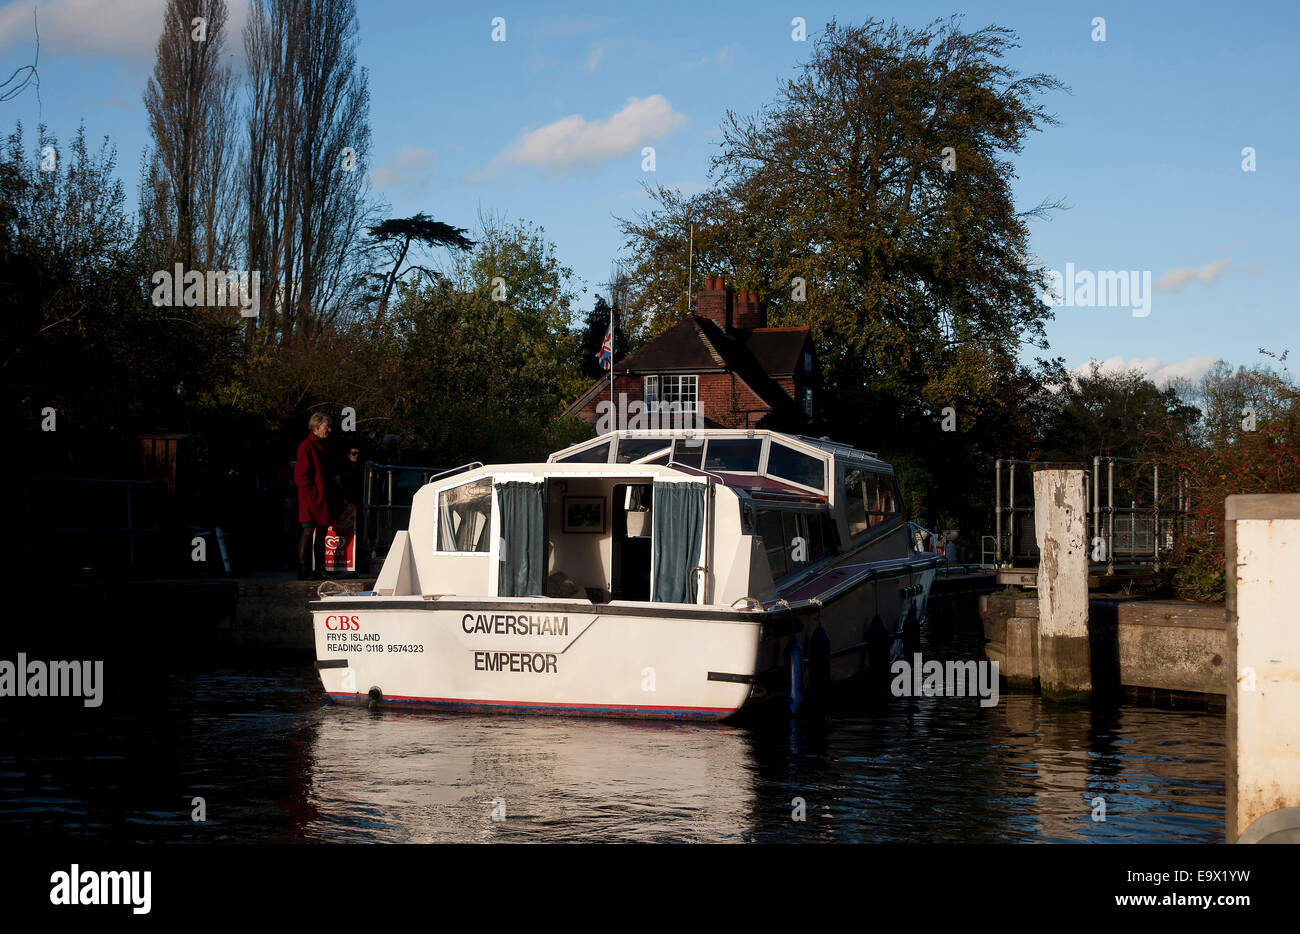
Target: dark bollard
(794, 682)
(819, 669)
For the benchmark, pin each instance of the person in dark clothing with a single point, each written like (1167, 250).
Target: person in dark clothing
(318, 496)
(350, 475)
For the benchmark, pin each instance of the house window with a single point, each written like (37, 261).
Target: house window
(807, 362)
(807, 402)
(664, 391)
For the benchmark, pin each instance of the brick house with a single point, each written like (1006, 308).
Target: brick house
(723, 359)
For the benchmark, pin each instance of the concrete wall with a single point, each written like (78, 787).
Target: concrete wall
(1262, 548)
(1163, 644)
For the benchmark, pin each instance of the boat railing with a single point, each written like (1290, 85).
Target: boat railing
(453, 470)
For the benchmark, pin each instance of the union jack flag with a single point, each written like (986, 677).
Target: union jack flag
(606, 355)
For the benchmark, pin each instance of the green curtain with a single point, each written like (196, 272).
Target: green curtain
(678, 530)
(523, 523)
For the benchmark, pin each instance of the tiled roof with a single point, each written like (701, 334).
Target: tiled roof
(697, 345)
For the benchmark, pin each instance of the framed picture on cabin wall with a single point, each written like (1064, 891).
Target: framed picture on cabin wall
(584, 514)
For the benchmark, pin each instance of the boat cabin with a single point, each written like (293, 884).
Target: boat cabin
(712, 516)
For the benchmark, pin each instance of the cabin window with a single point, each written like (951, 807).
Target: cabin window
(465, 517)
(597, 455)
(734, 454)
(869, 499)
(769, 529)
(633, 449)
(794, 540)
(662, 392)
(688, 453)
(795, 466)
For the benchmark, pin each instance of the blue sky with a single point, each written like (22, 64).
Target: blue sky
(549, 125)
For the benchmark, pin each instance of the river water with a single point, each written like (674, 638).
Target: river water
(273, 761)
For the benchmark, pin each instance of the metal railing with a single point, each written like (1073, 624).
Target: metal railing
(1135, 536)
(386, 495)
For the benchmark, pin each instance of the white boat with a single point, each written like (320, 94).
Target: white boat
(681, 575)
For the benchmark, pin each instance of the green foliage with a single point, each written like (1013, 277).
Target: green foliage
(76, 331)
(484, 378)
(916, 287)
(592, 336)
(1108, 413)
(1223, 455)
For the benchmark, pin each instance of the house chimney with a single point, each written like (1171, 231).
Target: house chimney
(749, 313)
(714, 302)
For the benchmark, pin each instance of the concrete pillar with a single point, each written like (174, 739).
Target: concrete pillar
(1261, 551)
(1064, 659)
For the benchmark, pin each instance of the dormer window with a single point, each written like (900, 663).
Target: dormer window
(664, 391)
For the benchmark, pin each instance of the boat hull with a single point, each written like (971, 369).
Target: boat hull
(548, 657)
(643, 661)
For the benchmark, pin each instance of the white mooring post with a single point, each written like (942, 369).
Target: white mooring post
(1261, 550)
(1060, 522)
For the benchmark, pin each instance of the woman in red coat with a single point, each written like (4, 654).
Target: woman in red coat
(317, 496)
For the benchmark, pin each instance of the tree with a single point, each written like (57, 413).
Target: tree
(189, 200)
(1096, 412)
(77, 334)
(872, 202)
(394, 237)
(488, 349)
(304, 173)
(1248, 441)
(592, 338)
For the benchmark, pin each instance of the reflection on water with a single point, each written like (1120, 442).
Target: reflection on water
(274, 763)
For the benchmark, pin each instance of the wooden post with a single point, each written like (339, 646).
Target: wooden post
(1060, 523)
(1261, 547)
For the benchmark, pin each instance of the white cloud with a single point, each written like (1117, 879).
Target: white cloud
(117, 29)
(411, 170)
(572, 140)
(1154, 368)
(1173, 280)
(596, 56)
